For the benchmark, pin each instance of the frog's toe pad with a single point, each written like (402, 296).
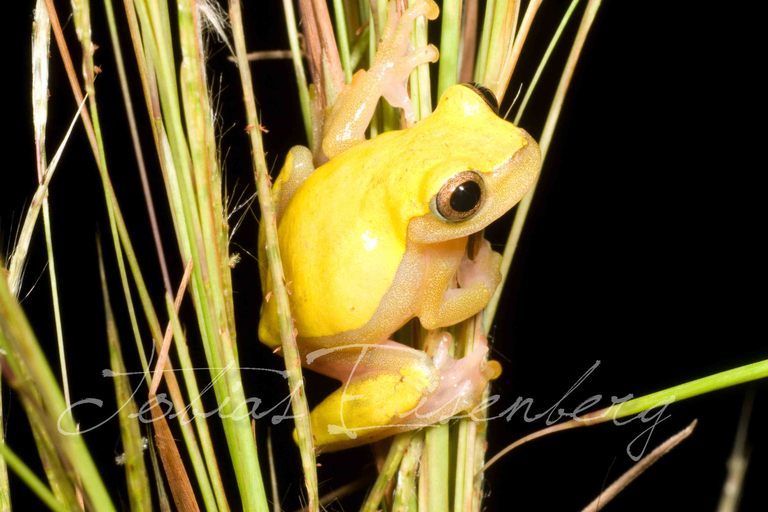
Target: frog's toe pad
(461, 385)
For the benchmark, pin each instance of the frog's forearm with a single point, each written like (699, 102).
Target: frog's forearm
(477, 279)
(457, 305)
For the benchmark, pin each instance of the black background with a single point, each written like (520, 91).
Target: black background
(643, 250)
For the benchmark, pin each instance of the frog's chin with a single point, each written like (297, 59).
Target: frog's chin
(506, 185)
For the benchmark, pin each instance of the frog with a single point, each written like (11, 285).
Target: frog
(387, 230)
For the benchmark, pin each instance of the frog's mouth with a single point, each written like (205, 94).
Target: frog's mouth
(505, 186)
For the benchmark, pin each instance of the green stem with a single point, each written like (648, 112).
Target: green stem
(465, 464)
(193, 392)
(387, 473)
(117, 51)
(406, 496)
(22, 348)
(502, 30)
(436, 466)
(272, 249)
(546, 138)
(450, 41)
(420, 88)
(485, 41)
(342, 39)
(5, 488)
(28, 477)
(727, 378)
(545, 59)
(466, 431)
(137, 482)
(360, 48)
(55, 299)
(206, 474)
(298, 69)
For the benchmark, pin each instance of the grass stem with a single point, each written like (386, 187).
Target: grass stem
(272, 249)
(30, 479)
(544, 141)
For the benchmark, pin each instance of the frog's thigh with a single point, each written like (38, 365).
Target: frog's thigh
(296, 169)
(348, 362)
(478, 278)
(382, 384)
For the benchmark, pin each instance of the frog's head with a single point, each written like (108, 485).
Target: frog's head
(480, 167)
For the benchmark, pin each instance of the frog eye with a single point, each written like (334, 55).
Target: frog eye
(460, 197)
(486, 94)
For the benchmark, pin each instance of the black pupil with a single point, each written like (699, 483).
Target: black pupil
(465, 196)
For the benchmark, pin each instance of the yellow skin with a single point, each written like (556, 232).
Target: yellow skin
(365, 247)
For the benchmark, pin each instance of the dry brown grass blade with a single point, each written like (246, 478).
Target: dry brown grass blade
(162, 495)
(730, 497)
(274, 491)
(163, 358)
(328, 42)
(323, 55)
(468, 41)
(311, 40)
(627, 478)
(175, 473)
(265, 55)
(530, 437)
(66, 58)
(510, 60)
(178, 479)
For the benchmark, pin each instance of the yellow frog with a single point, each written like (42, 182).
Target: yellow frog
(378, 235)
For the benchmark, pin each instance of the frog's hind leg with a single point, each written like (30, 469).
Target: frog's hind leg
(389, 388)
(381, 384)
(350, 362)
(297, 168)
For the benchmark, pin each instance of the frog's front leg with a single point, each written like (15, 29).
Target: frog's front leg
(477, 280)
(350, 115)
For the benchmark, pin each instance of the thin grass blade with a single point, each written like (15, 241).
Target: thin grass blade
(27, 476)
(137, 481)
